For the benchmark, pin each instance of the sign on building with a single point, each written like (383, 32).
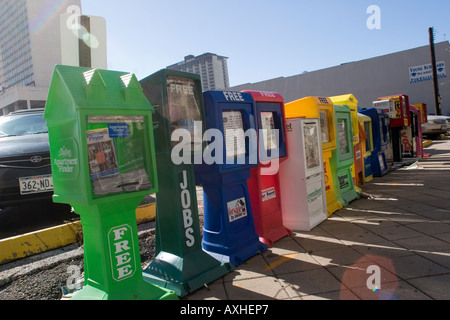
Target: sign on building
(425, 72)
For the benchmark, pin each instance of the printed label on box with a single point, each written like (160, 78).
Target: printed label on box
(268, 194)
(237, 209)
(118, 130)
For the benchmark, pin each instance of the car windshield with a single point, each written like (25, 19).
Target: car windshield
(18, 125)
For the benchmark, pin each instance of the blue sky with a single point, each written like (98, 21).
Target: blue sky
(263, 39)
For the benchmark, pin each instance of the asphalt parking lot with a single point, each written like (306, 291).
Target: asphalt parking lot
(31, 217)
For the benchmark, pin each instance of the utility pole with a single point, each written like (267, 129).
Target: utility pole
(435, 79)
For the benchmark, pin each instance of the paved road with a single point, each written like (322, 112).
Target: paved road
(32, 217)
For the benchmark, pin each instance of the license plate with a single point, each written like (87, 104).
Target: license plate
(36, 184)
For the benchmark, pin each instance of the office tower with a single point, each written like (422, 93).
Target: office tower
(212, 69)
(31, 44)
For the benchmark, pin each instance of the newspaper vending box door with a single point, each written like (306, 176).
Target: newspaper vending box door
(416, 132)
(379, 129)
(359, 158)
(367, 145)
(387, 107)
(423, 111)
(344, 154)
(301, 176)
(399, 119)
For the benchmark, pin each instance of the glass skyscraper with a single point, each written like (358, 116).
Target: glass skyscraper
(15, 45)
(30, 46)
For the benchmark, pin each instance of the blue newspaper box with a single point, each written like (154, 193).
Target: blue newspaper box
(380, 140)
(229, 232)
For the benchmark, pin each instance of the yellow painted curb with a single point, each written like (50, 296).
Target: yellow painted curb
(427, 143)
(146, 212)
(51, 238)
(36, 242)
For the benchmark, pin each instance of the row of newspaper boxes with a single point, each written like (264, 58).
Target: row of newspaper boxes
(266, 168)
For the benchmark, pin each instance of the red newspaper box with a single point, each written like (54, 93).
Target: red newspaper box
(264, 185)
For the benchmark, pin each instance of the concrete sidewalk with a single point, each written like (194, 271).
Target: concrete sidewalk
(402, 235)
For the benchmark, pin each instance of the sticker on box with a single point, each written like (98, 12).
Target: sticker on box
(237, 209)
(268, 194)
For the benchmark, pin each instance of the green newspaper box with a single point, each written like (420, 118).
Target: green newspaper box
(344, 156)
(180, 263)
(103, 165)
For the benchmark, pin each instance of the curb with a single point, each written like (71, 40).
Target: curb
(146, 212)
(427, 143)
(52, 238)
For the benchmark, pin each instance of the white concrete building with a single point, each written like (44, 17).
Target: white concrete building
(405, 72)
(31, 34)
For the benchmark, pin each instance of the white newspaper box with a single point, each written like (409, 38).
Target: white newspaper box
(302, 177)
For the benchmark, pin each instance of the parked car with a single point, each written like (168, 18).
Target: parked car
(448, 122)
(25, 166)
(435, 126)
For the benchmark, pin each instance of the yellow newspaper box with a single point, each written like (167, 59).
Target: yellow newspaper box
(321, 108)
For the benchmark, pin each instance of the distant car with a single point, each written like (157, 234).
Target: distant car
(435, 126)
(448, 122)
(25, 166)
